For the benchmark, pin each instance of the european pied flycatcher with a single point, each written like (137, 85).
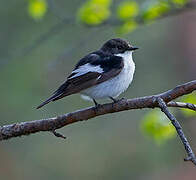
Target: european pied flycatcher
(105, 73)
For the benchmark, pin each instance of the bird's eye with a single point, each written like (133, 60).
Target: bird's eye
(120, 47)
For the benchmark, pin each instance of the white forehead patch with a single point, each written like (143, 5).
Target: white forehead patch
(85, 69)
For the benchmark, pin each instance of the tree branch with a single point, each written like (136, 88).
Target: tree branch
(182, 105)
(159, 100)
(51, 124)
(176, 124)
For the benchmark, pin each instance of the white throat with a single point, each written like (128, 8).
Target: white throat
(127, 55)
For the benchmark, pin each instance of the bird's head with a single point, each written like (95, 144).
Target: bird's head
(117, 46)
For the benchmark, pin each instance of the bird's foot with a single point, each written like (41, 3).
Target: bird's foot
(123, 99)
(117, 100)
(97, 105)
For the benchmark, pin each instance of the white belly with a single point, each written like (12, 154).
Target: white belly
(115, 86)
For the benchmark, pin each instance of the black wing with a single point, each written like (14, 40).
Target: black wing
(111, 66)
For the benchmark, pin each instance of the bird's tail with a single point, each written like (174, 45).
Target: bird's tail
(58, 94)
(52, 98)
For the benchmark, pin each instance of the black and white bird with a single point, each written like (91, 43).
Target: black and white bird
(105, 73)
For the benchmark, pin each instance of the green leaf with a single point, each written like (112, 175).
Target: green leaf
(155, 10)
(37, 9)
(127, 27)
(105, 3)
(94, 12)
(190, 98)
(156, 125)
(127, 10)
(179, 3)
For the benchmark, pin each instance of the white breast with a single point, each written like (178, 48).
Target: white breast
(115, 86)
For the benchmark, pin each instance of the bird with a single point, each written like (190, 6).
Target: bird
(105, 73)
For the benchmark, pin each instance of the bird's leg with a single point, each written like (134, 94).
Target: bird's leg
(96, 104)
(113, 99)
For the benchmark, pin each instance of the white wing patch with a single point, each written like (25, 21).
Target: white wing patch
(85, 69)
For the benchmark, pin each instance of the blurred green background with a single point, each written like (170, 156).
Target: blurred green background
(38, 53)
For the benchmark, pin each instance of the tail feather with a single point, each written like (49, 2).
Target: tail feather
(58, 94)
(52, 98)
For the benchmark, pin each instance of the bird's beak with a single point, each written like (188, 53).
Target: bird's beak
(133, 48)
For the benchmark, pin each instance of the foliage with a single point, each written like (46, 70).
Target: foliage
(130, 13)
(127, 10)
(37, 9)
(154, 9)
(127, 27)
(179, 3)
(94, 12)
(156, 125)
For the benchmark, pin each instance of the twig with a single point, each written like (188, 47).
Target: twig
(57, 134)
(182, 105)
(55, 29)
(176, 124)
